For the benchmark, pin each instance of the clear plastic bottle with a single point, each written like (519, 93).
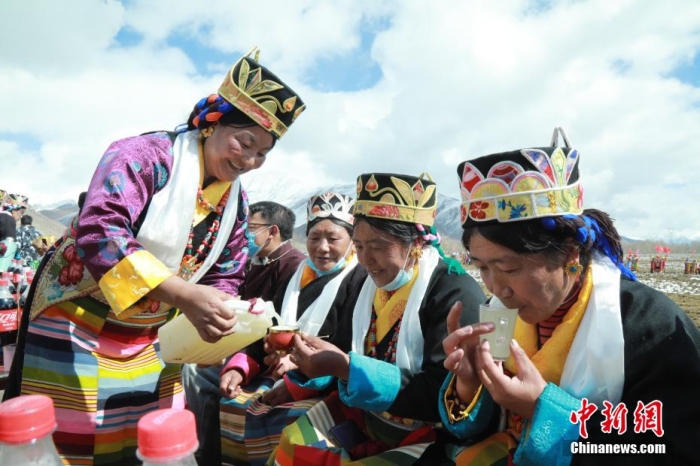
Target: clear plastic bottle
(26, 425)
(167, 437)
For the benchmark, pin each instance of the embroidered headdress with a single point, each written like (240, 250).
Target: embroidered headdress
(521, 185)
(15, 202)
(255, 91)
(261, 95)
(330, 205)
(397, 197)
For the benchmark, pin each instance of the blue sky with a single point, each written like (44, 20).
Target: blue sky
(404, 86)
(689, 72)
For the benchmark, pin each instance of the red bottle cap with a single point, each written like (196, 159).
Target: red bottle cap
(26, 418)
(166, 434)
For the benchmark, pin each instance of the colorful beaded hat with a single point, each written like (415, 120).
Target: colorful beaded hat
(15, 202)
(522, 184)
(261, 95)
(330, 205)
(18, 199)
(397, 197)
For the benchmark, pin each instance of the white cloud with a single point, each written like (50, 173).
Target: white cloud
(459, 79)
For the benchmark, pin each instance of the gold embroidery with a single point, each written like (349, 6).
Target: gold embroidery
(250, 92)
(145, 272)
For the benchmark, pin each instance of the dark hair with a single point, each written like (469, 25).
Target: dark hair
(337, 221)
(8, 227)
(215, 109)
(405, 232)
(26, 220)
(276, 214)
(237, 119)
(81, 200)
(592, 231)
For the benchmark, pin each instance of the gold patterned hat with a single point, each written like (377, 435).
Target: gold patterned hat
(397, 197)
(261, 95)
(330, 205)
(521, 185)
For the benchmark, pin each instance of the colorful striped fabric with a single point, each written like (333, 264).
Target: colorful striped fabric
(307, 441)
(251, 429)
(98, 398)
(496, 450)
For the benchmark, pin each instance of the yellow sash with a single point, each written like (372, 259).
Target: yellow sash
(212, 193)
(550, 359)
(389, 307)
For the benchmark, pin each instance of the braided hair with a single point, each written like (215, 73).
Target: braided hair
(592, 231)
(212, 110)
(407, 233)
(432, 237)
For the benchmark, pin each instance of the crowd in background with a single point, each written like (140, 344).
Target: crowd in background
(19, 239)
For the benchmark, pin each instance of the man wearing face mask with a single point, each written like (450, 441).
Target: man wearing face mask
(386, 382)
(273, 257)
(273, 260)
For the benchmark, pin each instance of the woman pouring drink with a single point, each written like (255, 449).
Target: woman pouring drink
(162, 226)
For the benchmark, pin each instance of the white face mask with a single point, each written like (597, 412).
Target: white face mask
(338, 265)
(402, 277)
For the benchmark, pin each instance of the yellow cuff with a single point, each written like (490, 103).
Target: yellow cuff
(131, 279)
(456, 411)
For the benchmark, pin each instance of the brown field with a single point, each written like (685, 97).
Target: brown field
(689, 303)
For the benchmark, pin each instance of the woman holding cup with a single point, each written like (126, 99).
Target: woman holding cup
(315, 303)
(395, 365)
(587, 333)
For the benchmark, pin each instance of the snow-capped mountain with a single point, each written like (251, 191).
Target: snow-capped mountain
(61, 211)
(293, 195)
(296, 198)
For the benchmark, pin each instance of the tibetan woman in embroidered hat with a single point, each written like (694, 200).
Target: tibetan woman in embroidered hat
(385, 384)
(318, 299)
(162, 226)
(14, 205)
(597, 357)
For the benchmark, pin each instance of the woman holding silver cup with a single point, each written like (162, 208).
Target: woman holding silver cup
(596, 357)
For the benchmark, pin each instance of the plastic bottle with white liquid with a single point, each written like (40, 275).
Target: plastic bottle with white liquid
(180, 342)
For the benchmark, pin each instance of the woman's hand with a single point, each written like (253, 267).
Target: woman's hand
(277, 395)
(267, 347)
(202, 305)
(317, 358)
(279, 365)
(518, 394)
(460, 346)
(230, 384)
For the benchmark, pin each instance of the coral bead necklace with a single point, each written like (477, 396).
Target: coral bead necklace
(191, 262)
(390, 353)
